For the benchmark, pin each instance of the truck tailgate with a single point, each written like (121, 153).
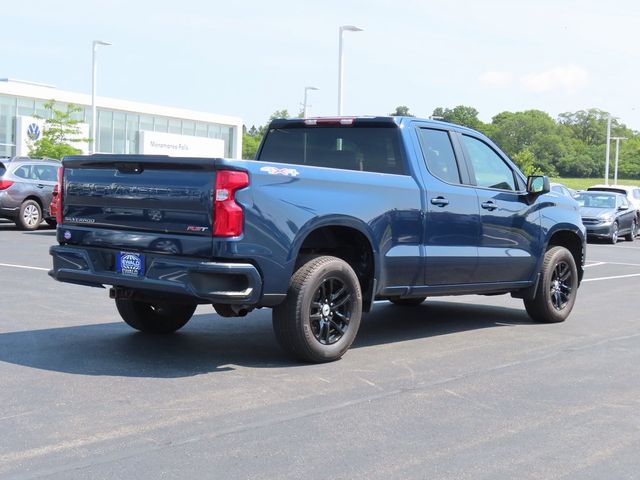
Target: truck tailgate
(147, 194)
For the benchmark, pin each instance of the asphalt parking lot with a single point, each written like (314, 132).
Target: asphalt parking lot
(460, 387)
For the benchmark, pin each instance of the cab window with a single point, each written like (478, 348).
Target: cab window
(489, 169)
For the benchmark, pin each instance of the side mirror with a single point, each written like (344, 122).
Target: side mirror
(538, 184)
(623, 207)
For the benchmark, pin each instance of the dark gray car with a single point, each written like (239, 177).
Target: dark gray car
(26, 186)
(607, 215)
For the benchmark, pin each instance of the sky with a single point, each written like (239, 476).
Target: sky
(250, 58)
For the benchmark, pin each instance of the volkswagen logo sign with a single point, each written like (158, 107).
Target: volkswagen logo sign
(33, 131)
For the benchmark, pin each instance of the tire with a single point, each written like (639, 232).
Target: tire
(30, 215)
(408, 302)
(154, 317)
(320, 316)
(613, 238)
(51, 222)
(631, 236)
(557, 288)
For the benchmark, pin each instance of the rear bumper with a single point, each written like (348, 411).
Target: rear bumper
(207, 282)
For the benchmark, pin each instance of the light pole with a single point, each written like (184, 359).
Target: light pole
(304, 105)
(94, 75)
(348, 28)
(615, 170)
(608, 151)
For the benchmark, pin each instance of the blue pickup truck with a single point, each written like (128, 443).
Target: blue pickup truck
(333, 214)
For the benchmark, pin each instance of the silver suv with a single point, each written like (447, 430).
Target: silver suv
(26, 186)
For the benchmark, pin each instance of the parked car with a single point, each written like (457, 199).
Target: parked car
(607, 215)
(632, 193)
(26, 187)
(563, 190)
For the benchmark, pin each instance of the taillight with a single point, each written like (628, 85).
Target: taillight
(58, 199)
(329, 121)
(4, 184)
(229, 216)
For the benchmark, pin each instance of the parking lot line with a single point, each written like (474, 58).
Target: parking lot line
(9, 265)
(594, 264)
(610, 278)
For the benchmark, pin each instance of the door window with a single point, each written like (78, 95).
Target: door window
(489, 170)
(438, 154)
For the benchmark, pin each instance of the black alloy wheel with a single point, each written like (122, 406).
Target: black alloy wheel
(330, 311)
(561, 285)
(557, 287)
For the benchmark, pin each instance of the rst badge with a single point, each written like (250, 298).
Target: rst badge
(192, 228)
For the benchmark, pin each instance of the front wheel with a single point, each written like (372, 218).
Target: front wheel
(613, 238)
(158, 317)
(557, 287)
(320, 317)
(631, 236)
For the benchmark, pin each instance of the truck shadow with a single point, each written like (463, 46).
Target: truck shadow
(211, 344)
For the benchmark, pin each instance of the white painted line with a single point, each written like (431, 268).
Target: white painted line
(610, 278)
(23, 266)
(594, 264)
(624, 264)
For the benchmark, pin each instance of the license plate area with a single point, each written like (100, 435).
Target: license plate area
(130, 264)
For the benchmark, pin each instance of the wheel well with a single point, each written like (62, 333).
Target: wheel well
(37, 200)
(571, 242)
(351, 246)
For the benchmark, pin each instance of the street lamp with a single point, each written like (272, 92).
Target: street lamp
(348, 28)
(615, 171)
(94, 75)
(608, 151)
(304, 104)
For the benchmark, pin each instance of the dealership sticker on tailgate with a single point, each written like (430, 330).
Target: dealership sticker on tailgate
(129, 263)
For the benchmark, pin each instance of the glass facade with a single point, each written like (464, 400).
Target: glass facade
(116, 131)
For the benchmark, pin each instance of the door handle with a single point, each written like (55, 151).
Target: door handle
(440, 201)
(489, 205)
(39, 185)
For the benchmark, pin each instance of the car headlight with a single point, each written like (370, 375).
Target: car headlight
(607, 218)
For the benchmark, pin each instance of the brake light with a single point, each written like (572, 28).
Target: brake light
(4, 184)
(56, 201)
(229, 216)
(330, 121)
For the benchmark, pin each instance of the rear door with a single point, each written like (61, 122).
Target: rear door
(510, 224)
(451, 220)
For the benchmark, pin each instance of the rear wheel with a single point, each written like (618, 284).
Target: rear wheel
(30, 215)
(320, 317)
(157, 317)
(408, 301)
(630, 237)
(557, 288)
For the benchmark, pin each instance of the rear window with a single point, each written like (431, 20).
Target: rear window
(367, 149)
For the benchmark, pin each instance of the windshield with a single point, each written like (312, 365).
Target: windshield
(596, 200)
(371, 149)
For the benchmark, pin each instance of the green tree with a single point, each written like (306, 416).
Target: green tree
(526, 160)
(401, 111)
(59, 134)
(460, 115)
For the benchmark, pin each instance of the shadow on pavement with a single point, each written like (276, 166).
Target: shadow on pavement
(213, 344)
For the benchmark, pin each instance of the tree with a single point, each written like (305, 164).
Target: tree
(59, 134)
(460, 115)
(401, 111)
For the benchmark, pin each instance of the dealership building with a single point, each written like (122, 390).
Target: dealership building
(122, 126)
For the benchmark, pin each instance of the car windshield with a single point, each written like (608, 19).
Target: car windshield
(596, 200)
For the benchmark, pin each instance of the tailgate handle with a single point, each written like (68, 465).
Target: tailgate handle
(129, 167)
